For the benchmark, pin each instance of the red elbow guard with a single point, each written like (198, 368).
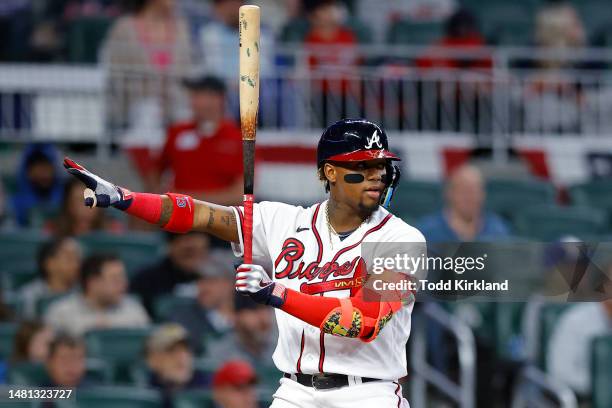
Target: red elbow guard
(181, 220)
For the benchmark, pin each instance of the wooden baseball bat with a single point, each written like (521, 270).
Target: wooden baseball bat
(249, 105)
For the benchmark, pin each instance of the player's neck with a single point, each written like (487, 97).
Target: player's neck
(343, 218)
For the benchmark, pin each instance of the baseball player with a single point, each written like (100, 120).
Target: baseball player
(340, 344)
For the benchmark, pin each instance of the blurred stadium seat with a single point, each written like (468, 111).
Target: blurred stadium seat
(113, 396)
(7, 335)
(119, 347)
(85, 36)
(164, 305)
(194, 399)
(136, 250)
(506, 197)
(597, 194)
(18, 251)
(549, 316)
(407, 32)
(601, 364)
(550, 222)
(43, 303)
(417, 198)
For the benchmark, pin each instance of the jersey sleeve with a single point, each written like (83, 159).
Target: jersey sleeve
(269, 221)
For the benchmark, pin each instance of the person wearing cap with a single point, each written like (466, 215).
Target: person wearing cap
(203, 155)
(233, 385)
(170, 361)
(211, 313)
(253, 338)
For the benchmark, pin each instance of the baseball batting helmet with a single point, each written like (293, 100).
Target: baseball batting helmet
(353, 140)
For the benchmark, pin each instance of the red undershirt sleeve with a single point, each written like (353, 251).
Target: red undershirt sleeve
(327, 313)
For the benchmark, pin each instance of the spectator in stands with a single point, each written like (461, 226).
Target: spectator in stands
(558, 26)
(211, 314)
(170, 361)
(208, 134)
(463, 218)
(146, 50)
(333, 52)
(39, 185)
(31, 343)
(218, 41)
(59, 262)
(15, 27)
(185, 255)
(103, 302)
(75, 219)
(66, 362)
(234, 385)
(253, 338)
(461, 31)
(569, 351)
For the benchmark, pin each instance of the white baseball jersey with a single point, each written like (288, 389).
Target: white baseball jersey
(295, 246)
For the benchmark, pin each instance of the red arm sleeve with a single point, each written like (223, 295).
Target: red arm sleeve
(349, 317)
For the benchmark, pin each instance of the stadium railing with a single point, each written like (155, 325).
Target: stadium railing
(100, 103)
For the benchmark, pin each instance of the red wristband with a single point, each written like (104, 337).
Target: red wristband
(144, 206)
(181, 220)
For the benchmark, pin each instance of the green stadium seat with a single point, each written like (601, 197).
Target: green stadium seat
(553, 222)
(18, 249)
(85, 36)
(119, 347)
(415, 199)
(194, 399)
(136, 249)
(601, 372)
(362, 31)
(113, 396)
(508, 330)
(17, 276)
(504, 197)
(597, 194)
(549, 317)
(9, 182)
(35, 374)
(7, 335)
(164, 305)
(27, 374)
(595, 14)
(407, 32)
(294, 31)
(43, 303)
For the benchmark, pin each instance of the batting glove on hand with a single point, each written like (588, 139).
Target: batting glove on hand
(252, 280)
(99, 192)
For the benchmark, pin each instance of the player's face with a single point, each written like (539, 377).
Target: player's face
(359, 184)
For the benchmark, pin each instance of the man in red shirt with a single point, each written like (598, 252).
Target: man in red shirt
(204, 155)
(333, 58)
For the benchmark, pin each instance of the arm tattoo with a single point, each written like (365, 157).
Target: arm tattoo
(227, 219)
(211, 217)
(166, 210)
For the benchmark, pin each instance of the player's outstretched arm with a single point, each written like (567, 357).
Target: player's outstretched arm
(173, 212)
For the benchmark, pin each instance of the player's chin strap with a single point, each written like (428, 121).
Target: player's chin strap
(391, 180)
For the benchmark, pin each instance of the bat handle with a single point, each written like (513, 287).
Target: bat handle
(247, 228)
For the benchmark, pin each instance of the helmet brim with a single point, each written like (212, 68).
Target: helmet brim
(362, 155)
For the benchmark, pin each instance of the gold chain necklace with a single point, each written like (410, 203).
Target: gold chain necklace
(331, 229)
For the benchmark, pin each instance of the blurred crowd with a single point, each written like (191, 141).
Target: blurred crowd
(148, 46)
(181, 305)
(172, 314)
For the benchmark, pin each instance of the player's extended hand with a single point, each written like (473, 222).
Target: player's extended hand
(252, 280)
(99, 192)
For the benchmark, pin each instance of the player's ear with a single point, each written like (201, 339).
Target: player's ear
(330, 172)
